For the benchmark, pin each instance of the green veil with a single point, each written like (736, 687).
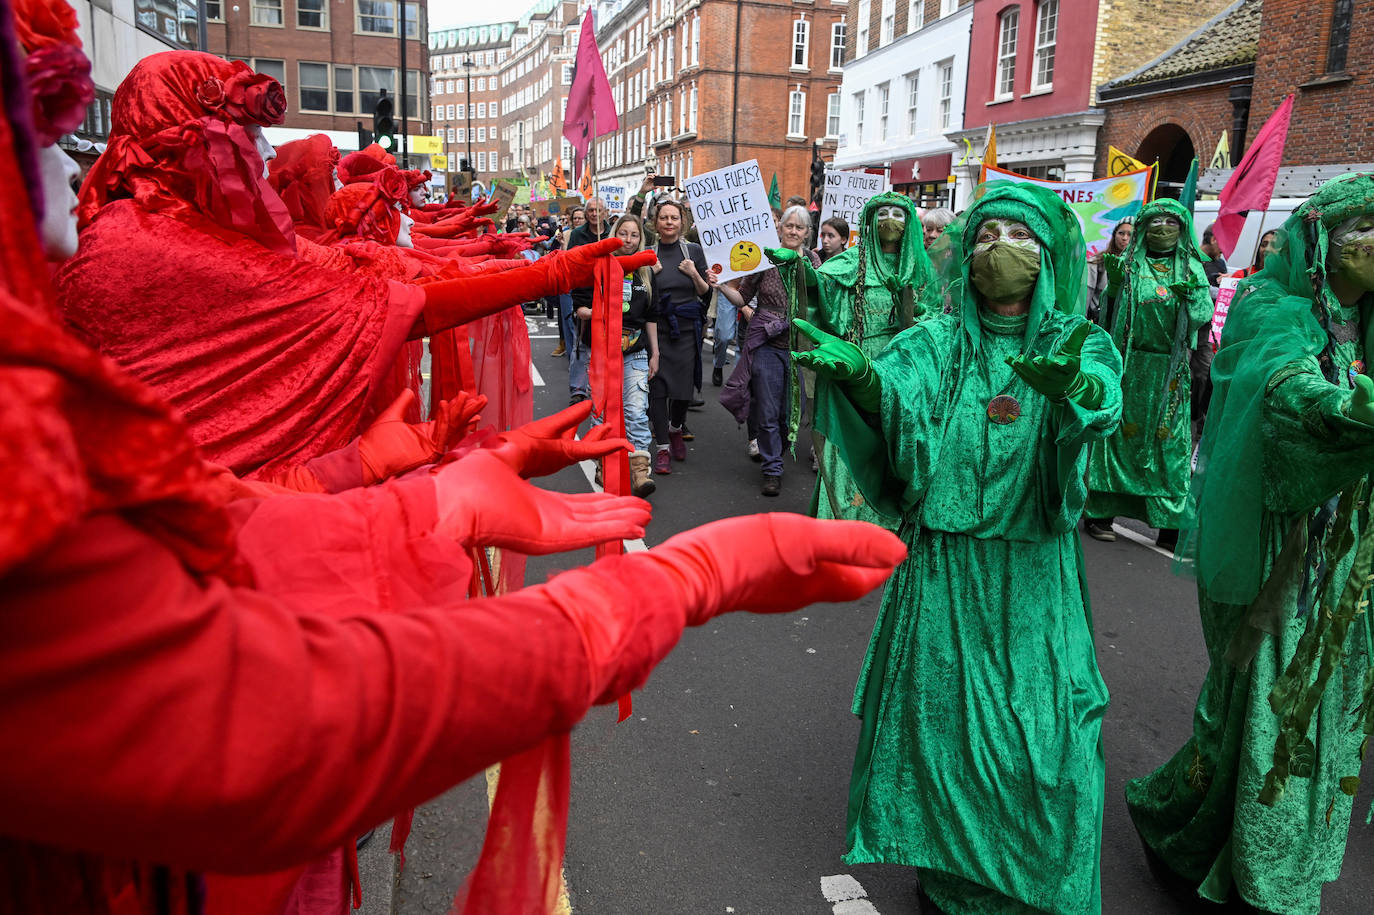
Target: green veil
(845, 278)
(1063, 256)
(1278, 316)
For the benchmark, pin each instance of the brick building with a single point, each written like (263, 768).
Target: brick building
(1178, 105)
(905, 66)
(1041, 99)
(332, 56)
(465, 66)
(623, 35)
(533, 87)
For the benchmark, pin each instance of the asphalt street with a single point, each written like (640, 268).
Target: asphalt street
(725, 791)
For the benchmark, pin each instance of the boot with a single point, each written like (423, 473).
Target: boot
(662, 462)
(559, 350)
(641, 479)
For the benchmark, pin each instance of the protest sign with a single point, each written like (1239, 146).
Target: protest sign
(1226, 290)
(504, 195)
(558, 206)
(1099, 204)
(733, 219)
(846, 194)
(614, 195)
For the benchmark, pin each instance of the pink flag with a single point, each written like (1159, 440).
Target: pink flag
(1252, 183)
(589, 98)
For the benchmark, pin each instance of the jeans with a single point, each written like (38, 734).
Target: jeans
(726, 321)
(768, 404)
(579, 356)
(635, 397)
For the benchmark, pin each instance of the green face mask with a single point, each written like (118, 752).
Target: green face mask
(891, 224)
(1005, 262)
(1161, 236)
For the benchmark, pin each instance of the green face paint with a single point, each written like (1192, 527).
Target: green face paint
(1352, 250)
(891, 224)
(1161, 235)
(1005, 262)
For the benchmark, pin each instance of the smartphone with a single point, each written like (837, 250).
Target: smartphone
(665, 181)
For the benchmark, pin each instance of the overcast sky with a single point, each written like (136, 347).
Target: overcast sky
(445, 14)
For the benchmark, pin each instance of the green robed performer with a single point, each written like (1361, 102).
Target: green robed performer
(979, 760)
(1260, 797)
(866, 294)
(1158, 297)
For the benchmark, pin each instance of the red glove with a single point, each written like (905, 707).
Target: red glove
(454, 302)
(546, 445)
(391, 446)
(484, 208)
(483, 502)
(632, 262)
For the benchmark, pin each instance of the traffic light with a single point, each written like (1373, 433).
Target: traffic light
(364, 136)
(383, 127)
(817, 178)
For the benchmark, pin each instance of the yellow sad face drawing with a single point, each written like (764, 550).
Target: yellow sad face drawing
(745, 256)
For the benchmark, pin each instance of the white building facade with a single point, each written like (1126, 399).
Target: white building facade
(899, 98)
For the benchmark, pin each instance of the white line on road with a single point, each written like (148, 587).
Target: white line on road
(1141, 539)
(537, 378)
(847, 895)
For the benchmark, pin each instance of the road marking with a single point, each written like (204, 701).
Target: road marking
(564, 904)
(847, 896)
(589, 471)
(1141, 539)
(537, 378)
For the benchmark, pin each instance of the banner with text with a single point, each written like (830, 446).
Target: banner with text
(614, 195)
(846, 194)
(1099, 204)
(1226, 291)
(733, 219)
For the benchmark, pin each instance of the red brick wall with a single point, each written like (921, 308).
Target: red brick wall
(1332, 121)
(1203, 113)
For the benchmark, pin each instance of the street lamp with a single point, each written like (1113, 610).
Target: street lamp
(467, 68)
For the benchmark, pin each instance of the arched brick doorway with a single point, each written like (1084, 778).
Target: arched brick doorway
(1170, 145)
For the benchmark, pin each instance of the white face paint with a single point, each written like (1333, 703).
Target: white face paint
(337, 183)
(418, 197)
(403, 233)
(265, 149)
(58, 231)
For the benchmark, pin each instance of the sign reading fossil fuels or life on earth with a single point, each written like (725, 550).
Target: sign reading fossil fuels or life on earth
(733, 219)
(846, 194)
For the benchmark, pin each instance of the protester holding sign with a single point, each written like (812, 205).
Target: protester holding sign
(733, 218)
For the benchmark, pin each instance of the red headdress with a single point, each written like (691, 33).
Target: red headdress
(59, 75)
(367, 209)
(179, 144)
(303, 175)
(364, 164)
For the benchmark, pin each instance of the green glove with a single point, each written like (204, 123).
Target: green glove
(782, 256)
(1360, 406)
(842, 362)
(1059, 377)
(1115, 266)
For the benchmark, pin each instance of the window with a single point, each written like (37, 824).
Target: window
(796, 114)
(267, 12)
(696, 38)
(693, 120)
(310, 14)
(1007, 28)
(837, 31)
(801, 34)
(343, 90)
(371, 83)
(462, 134)
(314, 86)
(858, 118)
(412, 93)
(832, 115)
(452, 161)
(481, 84)
(946, 69)
(214, 10)
(412, 20)
(174, 21)
(461, 111)
(273, 68)
(913, 88)
(567, 74)
(915, 15)
(1046, 29)
(889, 22)
(1338, 46)
(452, 135)
(481, 135)
(481, 161)
(865, 13)
(448, 112)
(376, 16)
(948, 8)
(481, 110)
(884, 97)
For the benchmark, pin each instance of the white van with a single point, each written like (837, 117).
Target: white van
(1257, 222)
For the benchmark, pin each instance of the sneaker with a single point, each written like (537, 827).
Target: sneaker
(772, 485)
(1100, 529)
(560, 350)
(697, 402)
(754, 451)
(663, 461)
(677, 444)
(577, 399)
(687, 434)
(717, 376)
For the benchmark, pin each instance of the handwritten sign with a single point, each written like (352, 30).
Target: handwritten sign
(1099, 204)
(504, 195)
(614, 195)
(846, 194)
(1226, 291)
(733, 218)
(558, 206)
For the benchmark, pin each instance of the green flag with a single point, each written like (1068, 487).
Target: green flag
(774, 195)
(1188, 196)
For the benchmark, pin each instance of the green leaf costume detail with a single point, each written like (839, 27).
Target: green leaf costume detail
(1280, 536)
(980, 689)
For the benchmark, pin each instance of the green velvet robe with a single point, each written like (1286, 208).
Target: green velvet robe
(980, 760)
(1144, 469)
(1200, 811)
